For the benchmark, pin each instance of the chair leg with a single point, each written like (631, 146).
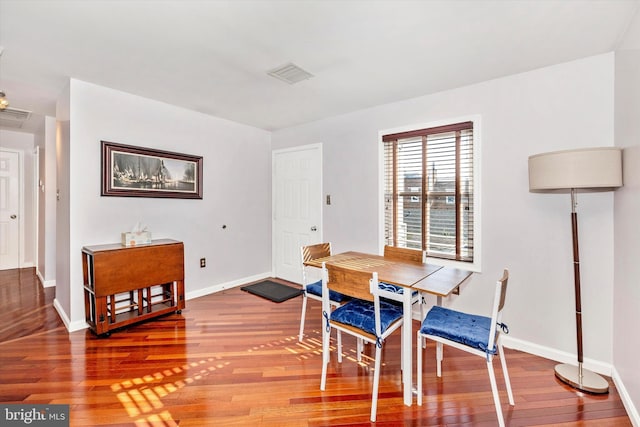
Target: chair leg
(439, 351)
(419, 347)
(401, 358)
(376, 384)
(423, 307)
(302, 316)
(505, 372)
(494, 390)
(326, 336)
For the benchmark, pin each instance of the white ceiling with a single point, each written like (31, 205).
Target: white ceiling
(213, 56)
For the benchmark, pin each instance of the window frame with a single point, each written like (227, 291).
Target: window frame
(474, 265)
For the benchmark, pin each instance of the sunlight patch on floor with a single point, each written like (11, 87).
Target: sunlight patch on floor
(140, 397)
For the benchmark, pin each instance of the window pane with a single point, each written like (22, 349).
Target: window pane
(429, 190)
(409, 222)
(441, 236)
(441, 208)
(466, 194)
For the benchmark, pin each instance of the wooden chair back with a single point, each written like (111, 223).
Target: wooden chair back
(404, 254)
(498, 305)
(354, 283)
(503, 289)
(316, 251)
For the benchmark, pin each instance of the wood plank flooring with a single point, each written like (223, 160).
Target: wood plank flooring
(233, 359)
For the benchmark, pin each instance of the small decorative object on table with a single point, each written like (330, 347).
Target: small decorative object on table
(137, 236)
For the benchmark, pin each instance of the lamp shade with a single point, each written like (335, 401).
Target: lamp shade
(589, 168)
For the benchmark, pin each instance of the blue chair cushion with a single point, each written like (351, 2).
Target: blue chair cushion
(361, 314)
(316, 289)
(463, 328)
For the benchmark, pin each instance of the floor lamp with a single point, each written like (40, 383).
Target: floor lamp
(591, 169)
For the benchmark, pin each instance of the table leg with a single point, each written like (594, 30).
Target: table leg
(407, 334)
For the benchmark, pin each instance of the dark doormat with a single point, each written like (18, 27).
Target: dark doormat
(276, 292)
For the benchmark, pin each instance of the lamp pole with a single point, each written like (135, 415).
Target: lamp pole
(576, 376)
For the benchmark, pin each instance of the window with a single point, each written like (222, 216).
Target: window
(429, 190)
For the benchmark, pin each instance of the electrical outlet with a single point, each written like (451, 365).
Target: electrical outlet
(203, 262)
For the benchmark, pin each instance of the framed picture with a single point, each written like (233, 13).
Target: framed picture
(144, 172)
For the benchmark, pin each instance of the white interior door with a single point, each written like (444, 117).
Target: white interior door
(9, 210)
(297, 207)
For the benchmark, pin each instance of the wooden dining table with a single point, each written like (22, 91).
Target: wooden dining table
(429, 278)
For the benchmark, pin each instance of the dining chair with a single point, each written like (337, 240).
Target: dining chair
(479, 335)
(407, 255)
(404, 254)
(365, 316)
(314, 290)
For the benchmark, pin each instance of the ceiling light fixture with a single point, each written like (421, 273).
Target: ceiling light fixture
(4, 103)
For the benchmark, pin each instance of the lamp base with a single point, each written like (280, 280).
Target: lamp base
(582, 379)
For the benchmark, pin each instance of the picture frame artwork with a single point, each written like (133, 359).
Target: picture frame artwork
(130, 171)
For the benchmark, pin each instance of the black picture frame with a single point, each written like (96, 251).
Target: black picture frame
(129, 171)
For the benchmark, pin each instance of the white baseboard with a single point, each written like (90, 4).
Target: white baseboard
(71, 326)
(590, 364)
(61, 313)
(77, 326)
(48, 283)
(632, 411)
(227, 285)
(45, 283)
(554, 354)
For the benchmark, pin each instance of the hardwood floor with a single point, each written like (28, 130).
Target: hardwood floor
(233, 359)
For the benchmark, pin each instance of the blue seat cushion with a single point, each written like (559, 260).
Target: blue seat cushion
(463, 328)
(316, 289)
(361, 314)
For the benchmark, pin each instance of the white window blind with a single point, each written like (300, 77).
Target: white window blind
(429, 190)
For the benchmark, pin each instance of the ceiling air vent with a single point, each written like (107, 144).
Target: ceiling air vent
(14, 114)
(15, 124)
(290, 73)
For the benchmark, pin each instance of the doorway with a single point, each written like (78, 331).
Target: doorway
(297, 207)
(10, 209)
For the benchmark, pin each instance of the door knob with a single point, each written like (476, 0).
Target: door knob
(314, 228)
(14, 216)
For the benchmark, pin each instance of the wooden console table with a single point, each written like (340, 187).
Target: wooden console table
(125, 285)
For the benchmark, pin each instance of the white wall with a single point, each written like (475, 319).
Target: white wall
(236, 186)
(45, 140)
(560, 107)
(24, 143)
(39, 138)
(626, 321)
(62, 301)
(49, 181)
